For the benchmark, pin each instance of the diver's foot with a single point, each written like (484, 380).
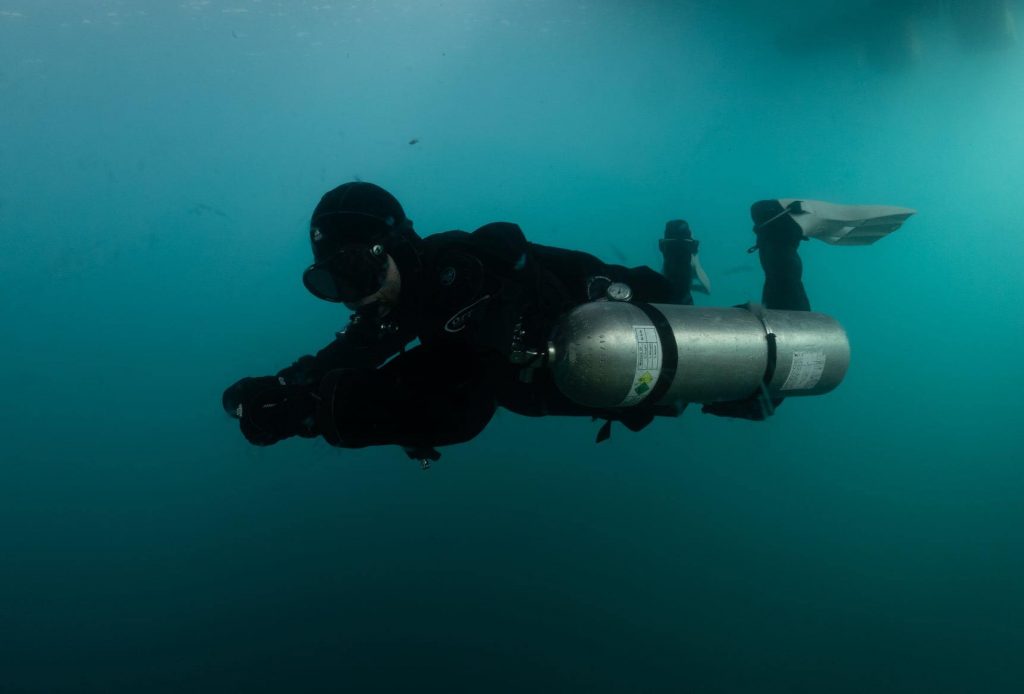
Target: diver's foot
(682, 264)
(774, 225)
(678, 245)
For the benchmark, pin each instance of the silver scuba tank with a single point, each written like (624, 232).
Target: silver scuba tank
(612, 354)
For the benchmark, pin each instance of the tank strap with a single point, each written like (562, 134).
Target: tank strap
(644, 413)
(762, 396)
(641, 415)
(670, 356)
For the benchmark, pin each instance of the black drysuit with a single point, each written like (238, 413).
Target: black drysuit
(481, 306)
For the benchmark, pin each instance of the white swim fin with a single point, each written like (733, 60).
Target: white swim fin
(699, 281)
(845, 225)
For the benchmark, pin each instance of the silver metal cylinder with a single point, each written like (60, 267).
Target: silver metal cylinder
(611, 354)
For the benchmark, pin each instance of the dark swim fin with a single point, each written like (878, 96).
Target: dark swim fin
(679, 250)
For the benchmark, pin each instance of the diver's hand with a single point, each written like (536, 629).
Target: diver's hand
(234, 398)
(270, 410)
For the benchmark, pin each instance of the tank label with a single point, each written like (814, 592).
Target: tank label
(806, 371)
(648, 364)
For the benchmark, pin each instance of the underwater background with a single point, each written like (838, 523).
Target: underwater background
(158, 163)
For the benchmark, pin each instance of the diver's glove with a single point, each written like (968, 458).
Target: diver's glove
(269, 410)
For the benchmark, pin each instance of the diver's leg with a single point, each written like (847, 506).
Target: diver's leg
(778, 237)
(678, 248)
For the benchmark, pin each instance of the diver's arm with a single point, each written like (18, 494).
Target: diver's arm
(504, 242)
(574, 269)
(577, 270)
(349, 350)
(273, 408)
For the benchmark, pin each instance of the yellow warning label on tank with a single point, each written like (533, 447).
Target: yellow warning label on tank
(648, 364)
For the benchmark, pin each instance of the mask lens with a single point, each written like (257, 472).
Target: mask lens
(321, 284)
(353, 273)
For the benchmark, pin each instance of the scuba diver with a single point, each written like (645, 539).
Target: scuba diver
(447, 328)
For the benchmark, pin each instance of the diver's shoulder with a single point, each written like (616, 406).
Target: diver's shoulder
(496, 241)
(504, 232)
(445, 239)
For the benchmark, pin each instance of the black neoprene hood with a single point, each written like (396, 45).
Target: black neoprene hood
(352, 212)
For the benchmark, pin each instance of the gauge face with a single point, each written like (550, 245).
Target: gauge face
(619, 291)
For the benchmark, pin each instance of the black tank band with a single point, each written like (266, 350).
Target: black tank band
(762, 395)
(773, 352)
(670, 353)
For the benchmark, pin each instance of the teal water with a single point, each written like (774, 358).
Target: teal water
(158, 163)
